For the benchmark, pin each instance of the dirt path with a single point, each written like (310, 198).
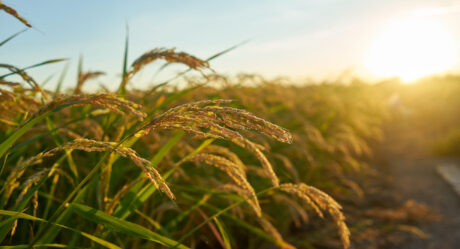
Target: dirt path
(413, 175)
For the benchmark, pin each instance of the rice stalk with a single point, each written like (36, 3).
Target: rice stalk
(83, 77)
(223, 151)
(207, 119)
(104, 100)
(169, 55)
(298, 213)
(234, 172)
(320, 201)
(14, 13)
(32, 180)
(88, 145)
(269, 228)
(28, 79)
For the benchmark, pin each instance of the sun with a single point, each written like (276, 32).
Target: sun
(411, 49)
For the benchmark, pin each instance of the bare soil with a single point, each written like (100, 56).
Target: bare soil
(411, 175)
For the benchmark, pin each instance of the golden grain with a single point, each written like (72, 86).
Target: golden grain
(14, 13)
(320, 201)
(83, 77)
(205, 119)
(104, 100)
(234, 172)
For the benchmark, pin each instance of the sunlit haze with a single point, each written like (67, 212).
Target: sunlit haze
(208, 124)
(411, 49)
(314, 39)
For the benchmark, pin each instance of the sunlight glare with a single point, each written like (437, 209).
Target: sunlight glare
(411, 49)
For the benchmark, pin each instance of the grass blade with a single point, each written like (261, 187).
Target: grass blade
(166, 148)
(212, 57)
(21, 215)
(120, 225)
(223, 233)
(5, 145)
(252, 229)
(4, 228)
(173, 223)
(59, 141)
(52, 232)
(135, 197)
(79, 68)
(217, 214)
(61, 78)
(36, 246)
(122, 90)
(33, 66)
(12, 37)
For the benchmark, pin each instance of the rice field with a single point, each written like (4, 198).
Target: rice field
(223, 162)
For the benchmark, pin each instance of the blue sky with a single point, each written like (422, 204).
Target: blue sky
(315, 38)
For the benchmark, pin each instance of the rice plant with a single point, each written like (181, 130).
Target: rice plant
(178, 168)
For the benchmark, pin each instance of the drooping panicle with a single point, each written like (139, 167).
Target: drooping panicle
(321, 202)
(209, 119)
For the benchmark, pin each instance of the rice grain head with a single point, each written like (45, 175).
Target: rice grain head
(169, 55)
(207, 119)
(234, 172)
(83, 77)
(320, 201)
(103, 100)
(14, 13)
(89, 145)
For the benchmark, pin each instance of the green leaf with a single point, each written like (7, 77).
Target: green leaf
(135, 198)
(33, 66)
(150, 220)
(21, 215)
(165, 149)
(126, 207)
(36, 246)
(79, 68)
(5, 145)
(63, 218)
(120, 225)
(173, 223)
(3, 166)
(212, 57)
(11, 37)
(255, 230)
(44, 133)
(8, 224)
(223, 232)
(61, 78)
(125, 54)
(4, 228)
(203, 145)
(170, 98)
(218, 213)
(59, 141)
(122, 89)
